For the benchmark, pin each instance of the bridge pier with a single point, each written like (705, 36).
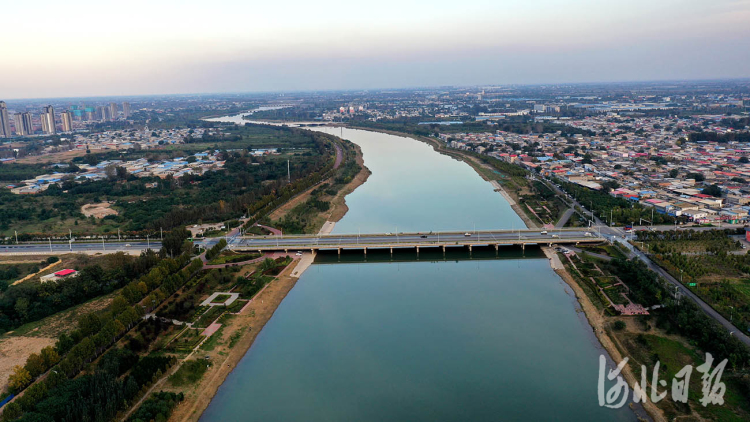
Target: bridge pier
(523, 247)
(339, 251)
(497, 247)
(391, 251)
(365, 249)
(417, 250)
(469, 248)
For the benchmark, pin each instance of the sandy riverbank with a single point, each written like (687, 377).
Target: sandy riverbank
(259, 311)
(249, 323)
(594, 317)
(597, 322)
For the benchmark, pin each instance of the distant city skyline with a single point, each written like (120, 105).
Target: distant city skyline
(146, 48)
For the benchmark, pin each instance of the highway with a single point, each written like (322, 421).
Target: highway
(77, 247)
(427, 239)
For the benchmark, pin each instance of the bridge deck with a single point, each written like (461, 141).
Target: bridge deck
(415, 240)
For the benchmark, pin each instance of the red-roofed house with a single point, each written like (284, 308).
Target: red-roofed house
(58, 275)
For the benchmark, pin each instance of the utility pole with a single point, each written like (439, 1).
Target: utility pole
(161, 234)
(148, 243)
(288, 172)
(50, 244)
(16, 236)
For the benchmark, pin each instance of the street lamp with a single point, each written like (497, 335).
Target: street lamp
(731, 315)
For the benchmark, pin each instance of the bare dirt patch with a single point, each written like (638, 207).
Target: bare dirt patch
(99, 210)
(15, 350)
(55, 157)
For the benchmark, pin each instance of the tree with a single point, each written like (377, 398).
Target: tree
(673, 173)
(12, 411)
(35, 365)
(713, 190)
(744, 160)
(49, 356)
(19, 379)
(698, 177)
(173, 241)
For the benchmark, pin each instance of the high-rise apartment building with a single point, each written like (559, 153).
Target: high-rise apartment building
(4, 121)
(66, 118)
(48, 120)
(113, 111)
(24, 126)
(103, 112)
(125, 110)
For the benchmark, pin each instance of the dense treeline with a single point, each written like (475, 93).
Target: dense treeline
(520, 125)
(686, 318)
(623, 212)
(158, 407)
(28, 301)
(99, 395)
(14, 172)
(720, 138)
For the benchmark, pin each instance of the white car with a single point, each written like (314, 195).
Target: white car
(544, 232)
(588, 234)
(467, 234)
(556, 236)
(127, 245)
(299, 254)
(389, 234)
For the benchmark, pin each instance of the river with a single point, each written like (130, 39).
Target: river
(434, 339)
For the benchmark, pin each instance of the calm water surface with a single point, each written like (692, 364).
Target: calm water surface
(432, 340)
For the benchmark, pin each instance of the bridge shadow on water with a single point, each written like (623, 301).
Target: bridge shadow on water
(354, 256)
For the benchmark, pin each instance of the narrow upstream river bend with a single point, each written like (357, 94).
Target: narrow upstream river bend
(450, 339)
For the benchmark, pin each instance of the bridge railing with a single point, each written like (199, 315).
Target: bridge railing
(426, 243)
(433, 233)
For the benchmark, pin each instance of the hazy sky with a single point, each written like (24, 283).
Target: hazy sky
(82, 47)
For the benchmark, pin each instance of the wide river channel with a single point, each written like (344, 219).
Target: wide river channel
(468, 337)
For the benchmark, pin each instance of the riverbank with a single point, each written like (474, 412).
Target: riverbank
(597, 322)
(238, 335)
(236, 338)
(323, 222)
(509, 196)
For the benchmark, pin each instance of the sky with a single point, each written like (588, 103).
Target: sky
(58, 48)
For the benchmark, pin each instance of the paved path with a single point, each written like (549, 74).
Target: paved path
(564, 219)
(339, 156)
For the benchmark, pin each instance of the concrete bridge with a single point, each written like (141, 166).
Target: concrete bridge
(393, 241)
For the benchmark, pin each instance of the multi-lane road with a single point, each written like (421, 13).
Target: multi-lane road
(78, 247)
(427, 239)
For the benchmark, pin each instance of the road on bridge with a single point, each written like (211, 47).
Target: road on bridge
(61, 248)
(413, 239)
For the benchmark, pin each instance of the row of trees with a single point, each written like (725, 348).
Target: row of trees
(27, 302)
(96, 331)
(687, 318)
(622, 211)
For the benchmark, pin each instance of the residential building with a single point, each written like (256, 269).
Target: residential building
(4, 121)
(24, 126)
(66, 118)
(125, 110)
(113, 111)
(48, 120)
